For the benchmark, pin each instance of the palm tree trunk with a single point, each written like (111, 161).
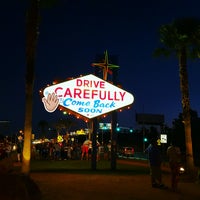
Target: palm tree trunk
(31, 41)
(186, 109)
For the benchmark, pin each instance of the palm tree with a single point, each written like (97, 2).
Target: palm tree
(182, 39)
(32, 30)
(32, 25)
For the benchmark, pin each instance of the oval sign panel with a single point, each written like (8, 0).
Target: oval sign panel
(88, 96)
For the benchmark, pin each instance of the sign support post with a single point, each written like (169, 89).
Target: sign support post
(94, 143)
(114, 126)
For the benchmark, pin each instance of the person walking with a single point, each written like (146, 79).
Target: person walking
(154, 156)
(174, 156)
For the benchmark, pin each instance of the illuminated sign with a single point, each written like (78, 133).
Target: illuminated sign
(80, 132)
(60, 138)
(88, 96)
(105, 126)
(163, 138)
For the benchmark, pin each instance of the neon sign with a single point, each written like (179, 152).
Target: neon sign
(88, 95)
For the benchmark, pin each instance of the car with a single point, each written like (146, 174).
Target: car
(127, 151)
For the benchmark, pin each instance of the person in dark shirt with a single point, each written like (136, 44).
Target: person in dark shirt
(155, 161)
(19, 151)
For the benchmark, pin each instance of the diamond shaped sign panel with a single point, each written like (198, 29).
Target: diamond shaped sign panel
(88, 96)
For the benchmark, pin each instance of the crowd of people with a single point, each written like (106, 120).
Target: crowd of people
(5, 149)
(65, 151)
(55, 151)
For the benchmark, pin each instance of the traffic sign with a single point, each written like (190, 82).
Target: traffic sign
(163, 138)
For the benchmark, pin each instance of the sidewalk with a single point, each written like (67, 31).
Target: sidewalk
(105, 186)
(61, 186)
(76, 185)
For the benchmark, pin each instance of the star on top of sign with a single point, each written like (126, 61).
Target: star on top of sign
(105, 66)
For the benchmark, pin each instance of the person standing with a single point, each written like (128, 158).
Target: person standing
(57, 151)
(154, 156)
(84, 151)
(174, 156)
(19, 151)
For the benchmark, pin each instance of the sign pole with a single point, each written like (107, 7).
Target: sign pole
(113, 140)
(94, 143)
(114, 126)
(94, 134)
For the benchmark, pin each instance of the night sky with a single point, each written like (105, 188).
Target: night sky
(73, 32)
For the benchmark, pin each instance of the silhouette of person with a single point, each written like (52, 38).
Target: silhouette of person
(174, 156)
(154, 156)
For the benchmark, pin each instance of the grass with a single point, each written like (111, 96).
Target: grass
(85, 167)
